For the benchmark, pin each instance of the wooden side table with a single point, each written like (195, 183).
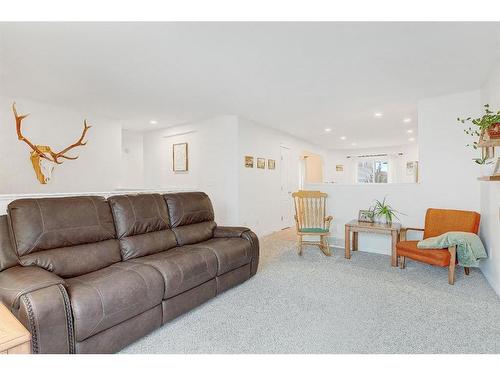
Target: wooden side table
(356, 226)
(14, 337)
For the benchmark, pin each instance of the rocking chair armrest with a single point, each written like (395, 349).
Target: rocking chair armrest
(328, 220)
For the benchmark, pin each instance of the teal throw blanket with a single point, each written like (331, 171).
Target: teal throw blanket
(469, 246)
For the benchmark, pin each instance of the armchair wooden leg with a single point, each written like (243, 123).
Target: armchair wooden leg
(467, 270)
(402, 262)
(299, 245)
(451, 267)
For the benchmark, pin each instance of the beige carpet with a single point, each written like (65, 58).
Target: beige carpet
(318, 304)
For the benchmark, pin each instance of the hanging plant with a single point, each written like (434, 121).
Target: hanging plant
(488, 124)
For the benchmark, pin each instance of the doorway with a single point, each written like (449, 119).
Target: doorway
(313, 168)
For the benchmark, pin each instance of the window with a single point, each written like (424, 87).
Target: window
(373, 171)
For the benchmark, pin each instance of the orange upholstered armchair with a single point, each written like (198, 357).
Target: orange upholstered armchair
(438, 222)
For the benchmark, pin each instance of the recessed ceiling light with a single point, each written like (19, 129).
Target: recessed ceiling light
(328, 130)
(378, 114)
(343, 138)
(153, 122)
(407, 120)
(353, 144)
(409, 131)
(411, 139)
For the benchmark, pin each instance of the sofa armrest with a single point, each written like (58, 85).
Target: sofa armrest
(39, 300)
(229, 232)
(247, 234)
(18, 281)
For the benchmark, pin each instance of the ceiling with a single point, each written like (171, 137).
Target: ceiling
(297, 77)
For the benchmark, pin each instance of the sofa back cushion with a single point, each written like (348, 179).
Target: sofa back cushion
(191, 217)
(142, 224)
(68, 236)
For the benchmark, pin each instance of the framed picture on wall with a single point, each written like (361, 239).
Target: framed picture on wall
(339, 168)
(249, 161)
(271, 164)
(180, 157)
(261, 163)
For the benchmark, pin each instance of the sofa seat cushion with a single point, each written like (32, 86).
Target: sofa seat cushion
(231, 252)
(183, 268)
(104, 298)
(437, 257)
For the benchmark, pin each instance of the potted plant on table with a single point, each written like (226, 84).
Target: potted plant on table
(384, 211)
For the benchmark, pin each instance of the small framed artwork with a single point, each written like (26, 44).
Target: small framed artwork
(365, 216)
(249, 161)
(339, 168)
(180, 157)
(261, 163)
(271, 164)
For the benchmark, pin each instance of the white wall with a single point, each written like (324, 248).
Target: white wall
(490, 195)
(447, 173)
(132, 160)
(217, 148)
(212, 150)
(96, 169)
(260, 189)
(348, 175)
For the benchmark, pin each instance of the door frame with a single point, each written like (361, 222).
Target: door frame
(286, 212)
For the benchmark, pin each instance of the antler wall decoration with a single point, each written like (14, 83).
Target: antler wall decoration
(42, 157)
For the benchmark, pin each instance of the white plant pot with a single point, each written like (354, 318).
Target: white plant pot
(487, 169)
(381, 220)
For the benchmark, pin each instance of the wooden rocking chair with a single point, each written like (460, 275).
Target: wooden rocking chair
(310, 219)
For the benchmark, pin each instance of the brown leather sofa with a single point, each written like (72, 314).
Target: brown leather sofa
(90, 275)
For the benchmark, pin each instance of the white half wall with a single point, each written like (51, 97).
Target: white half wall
(97, 166)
